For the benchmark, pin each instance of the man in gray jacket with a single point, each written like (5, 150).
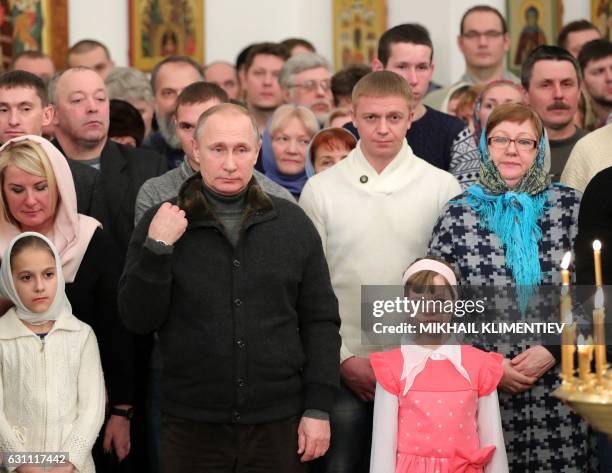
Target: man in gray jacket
(194, 100)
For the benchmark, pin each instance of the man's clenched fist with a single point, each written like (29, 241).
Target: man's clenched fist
(169, 224)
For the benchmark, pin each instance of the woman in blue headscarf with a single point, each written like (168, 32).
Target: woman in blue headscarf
(291, 129)
(512, 228)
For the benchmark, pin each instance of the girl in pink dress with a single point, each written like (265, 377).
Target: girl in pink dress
(436, 408)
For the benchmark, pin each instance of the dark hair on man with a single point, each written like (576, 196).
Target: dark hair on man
(28, 55)
(13, 79)
(594, 51)
(86, 45)
(544, 53)
(573, 27)
(199, 92)
(125, 120)
(174, 60)
(242, 56)
(487, 9)
(291, 43)
(272, 49)
(406, 33)
(343, 81)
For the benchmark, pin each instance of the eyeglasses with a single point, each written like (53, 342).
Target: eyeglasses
(502, 142)
(311, 85)
(491, 34)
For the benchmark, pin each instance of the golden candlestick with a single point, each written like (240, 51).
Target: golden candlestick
(591, 400)
(585, 356)
(599, 316)
(567, 349)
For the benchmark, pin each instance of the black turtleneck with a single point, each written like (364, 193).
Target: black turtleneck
(228, 209)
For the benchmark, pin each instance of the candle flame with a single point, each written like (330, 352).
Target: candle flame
(599, 298)
(596, 245)
(581, 342)
(565, 262)
(569, 319)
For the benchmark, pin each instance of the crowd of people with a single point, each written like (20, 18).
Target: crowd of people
(184, 254)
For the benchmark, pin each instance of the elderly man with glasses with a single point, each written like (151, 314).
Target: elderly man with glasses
(305, 79)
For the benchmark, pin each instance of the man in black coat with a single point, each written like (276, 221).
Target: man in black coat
(235, 282)
(81, 123)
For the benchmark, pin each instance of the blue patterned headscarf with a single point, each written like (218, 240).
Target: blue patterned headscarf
(514, 214)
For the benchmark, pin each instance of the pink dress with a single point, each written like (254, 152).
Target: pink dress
(437, 424)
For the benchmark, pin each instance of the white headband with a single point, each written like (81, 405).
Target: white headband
(430, 265)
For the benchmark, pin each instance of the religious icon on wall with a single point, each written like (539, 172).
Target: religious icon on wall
(33, 25)
(531, 23)
(160, 28)
(357, 26)
(601, 16)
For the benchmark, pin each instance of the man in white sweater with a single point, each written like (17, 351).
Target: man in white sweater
(592, 153)
(375, 212)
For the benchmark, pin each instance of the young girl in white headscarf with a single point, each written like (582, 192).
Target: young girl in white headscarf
(52, 393)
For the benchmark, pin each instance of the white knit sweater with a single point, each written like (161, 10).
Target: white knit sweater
(373, 230)
(590, 155)
(52, 394)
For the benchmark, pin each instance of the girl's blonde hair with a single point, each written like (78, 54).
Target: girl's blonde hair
(31, 158)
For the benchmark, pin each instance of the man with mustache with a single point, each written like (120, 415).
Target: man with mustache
(168, 79)
(551, 78)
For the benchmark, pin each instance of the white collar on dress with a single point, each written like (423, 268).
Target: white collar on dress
(415, 358)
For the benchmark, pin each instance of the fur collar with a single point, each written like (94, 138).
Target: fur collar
(196, 207)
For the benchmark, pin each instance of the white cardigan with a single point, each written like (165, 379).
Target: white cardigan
(373, 226)
(52, 395)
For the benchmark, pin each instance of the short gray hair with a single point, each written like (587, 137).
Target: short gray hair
(300, 63)
(52, 86)
(128, 83)
(230, 109)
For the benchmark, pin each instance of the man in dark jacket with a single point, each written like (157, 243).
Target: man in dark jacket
(236, 284)
(81, 127)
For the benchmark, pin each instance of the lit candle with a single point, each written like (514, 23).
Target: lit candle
(567, 349)
(585, 355)
(566, 299)
(565, 262)
(599, 317)
(597, 258)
